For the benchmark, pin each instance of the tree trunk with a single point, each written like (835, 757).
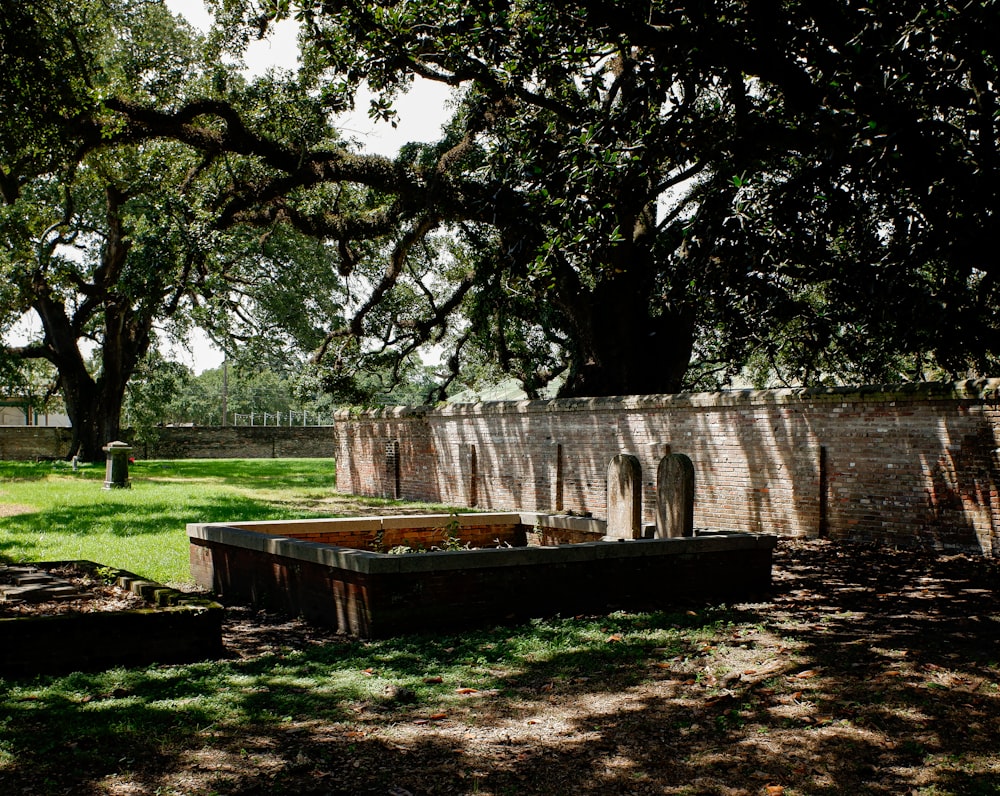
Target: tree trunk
(625, 342)
(621, 350)
(94, 409)
(94, 405)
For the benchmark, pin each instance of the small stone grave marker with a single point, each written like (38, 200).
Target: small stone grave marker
(624, 497)
(675, 497)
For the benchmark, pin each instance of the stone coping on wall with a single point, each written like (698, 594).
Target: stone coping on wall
(370, 563)
(968, 390)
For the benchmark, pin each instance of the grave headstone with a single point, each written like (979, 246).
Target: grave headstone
(675, 497)
(116, 472)
(624, 498)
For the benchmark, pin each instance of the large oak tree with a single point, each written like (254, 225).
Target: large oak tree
(107, 237)
(642, 196)
(656, 194)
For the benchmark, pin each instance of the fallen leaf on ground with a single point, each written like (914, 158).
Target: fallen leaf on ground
(466, 690)
(432, 680)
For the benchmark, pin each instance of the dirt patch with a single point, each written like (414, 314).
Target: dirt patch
(13, 509)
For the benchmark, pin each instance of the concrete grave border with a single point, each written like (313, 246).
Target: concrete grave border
(373, 594)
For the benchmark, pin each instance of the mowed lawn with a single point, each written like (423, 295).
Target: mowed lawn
(49, 512)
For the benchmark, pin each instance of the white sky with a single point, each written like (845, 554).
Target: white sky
(421, 111)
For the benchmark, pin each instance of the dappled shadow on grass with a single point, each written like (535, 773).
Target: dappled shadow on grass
(867, 671)
(152, 721)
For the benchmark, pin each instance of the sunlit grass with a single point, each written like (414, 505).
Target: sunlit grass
(51, 512)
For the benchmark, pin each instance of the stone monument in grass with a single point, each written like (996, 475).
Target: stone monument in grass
(116, 472)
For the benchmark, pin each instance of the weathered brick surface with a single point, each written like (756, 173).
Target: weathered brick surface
(28, 443)
(366, 440)
(913, 464)
(241, 442)
(472, 536)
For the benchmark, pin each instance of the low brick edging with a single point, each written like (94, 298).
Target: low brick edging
(369, 594)
(177, 628)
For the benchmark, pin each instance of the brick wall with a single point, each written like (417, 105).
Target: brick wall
(233, 442)
(241, 442)
(907, 464)
(27, 443)
(382, 534)
(379, 443)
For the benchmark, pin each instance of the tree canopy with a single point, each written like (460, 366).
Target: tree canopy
(110, 238)
(641, 197)
(651, 196)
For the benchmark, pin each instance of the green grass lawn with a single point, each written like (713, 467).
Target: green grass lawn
(50, 512)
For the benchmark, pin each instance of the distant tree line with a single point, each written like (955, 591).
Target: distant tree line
(165, 392)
